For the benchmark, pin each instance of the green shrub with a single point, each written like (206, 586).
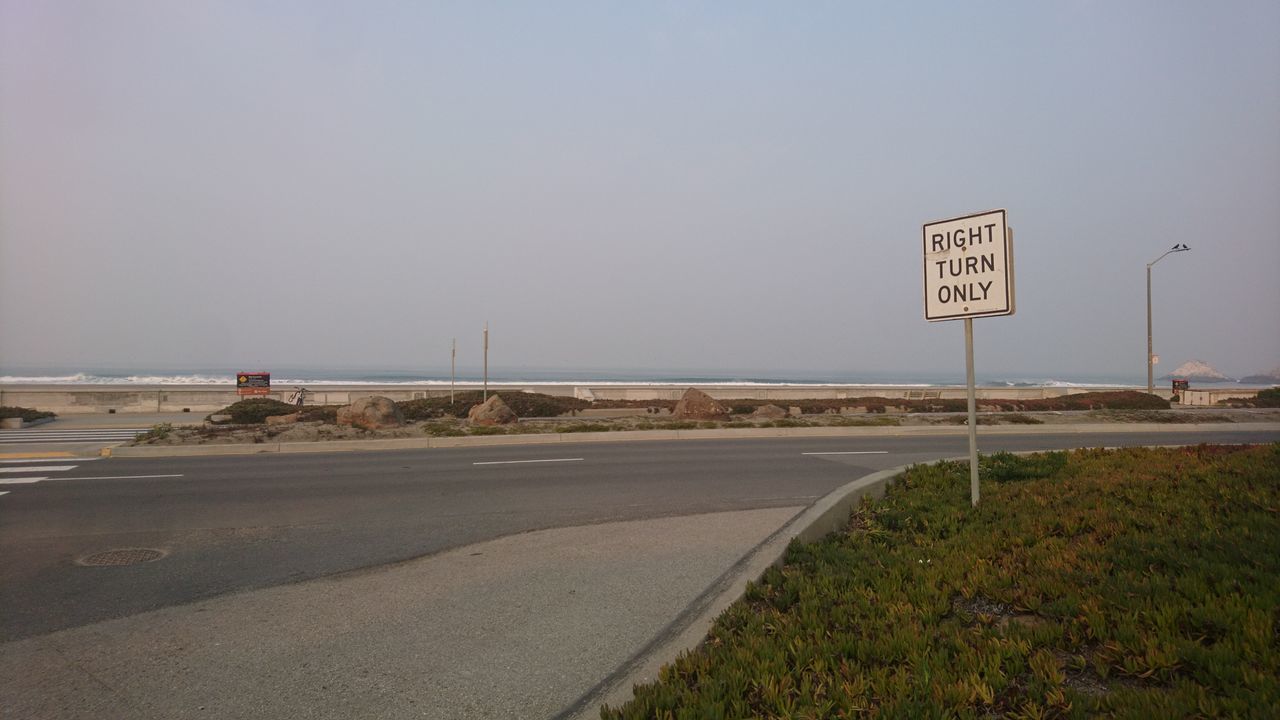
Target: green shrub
(879, 421)
(525, 405)
(255, 411)
(319, 413)
(790, 423)
(1019, 419)
(1269, 398)
(1130, 583)
(27, 414)
(584, 427)
(443, 429)
(159, 431)
(486, 430)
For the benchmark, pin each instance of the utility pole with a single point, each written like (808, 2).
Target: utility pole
(486, 361)
(1151, 388)
(453, 368)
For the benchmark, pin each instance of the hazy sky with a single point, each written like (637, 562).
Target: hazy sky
(640, 185)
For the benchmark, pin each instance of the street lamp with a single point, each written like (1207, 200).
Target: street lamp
(1150, 364)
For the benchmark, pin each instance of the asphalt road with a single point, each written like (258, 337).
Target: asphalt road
(230, 524)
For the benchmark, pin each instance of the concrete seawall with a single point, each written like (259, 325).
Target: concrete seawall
(79, 399)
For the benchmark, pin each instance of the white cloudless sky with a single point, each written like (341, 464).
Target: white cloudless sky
(632, 185)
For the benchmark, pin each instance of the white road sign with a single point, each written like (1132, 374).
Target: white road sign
(968, 267)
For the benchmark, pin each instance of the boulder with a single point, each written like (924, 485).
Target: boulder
(795, 411)
(289, 419)
(769, 412)
(697, 405)
(491, 412)
(371, 413)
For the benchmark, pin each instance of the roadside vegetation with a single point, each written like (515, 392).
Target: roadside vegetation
(1269, 398)
(536, 405)
(1123, 400)
(159, 431)
(1128, 583)
(27, 414)
(245, 421)
(521, 403)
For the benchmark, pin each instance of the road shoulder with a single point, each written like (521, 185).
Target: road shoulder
(516, 626)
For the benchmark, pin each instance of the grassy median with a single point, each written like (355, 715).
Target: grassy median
(1127, 583)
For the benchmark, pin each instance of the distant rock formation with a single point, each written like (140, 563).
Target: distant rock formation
(1196, 371)
(1267, 378)
(769, 412)
(371, 413)
(697, 405)
(492, 412)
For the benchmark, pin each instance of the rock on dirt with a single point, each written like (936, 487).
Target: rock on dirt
(769, 412)
(697, 405)
(491, 412)
(371, 413)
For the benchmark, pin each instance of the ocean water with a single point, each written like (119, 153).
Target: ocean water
(287, 376)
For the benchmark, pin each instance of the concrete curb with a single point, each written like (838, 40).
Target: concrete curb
(656, 435)
(690, 628)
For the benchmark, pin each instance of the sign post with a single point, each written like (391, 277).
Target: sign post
(968, 273)
(253, 383)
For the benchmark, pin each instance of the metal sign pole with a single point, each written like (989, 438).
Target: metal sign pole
(486, 362)
(968, 273)
(453, 368)
(973, 411)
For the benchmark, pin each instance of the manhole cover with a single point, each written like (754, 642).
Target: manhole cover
(123, 556)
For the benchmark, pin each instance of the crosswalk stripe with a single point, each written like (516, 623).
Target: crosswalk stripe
(42, 468)
(70, 435)
(36, 433)
(74, 429)
(21, 481)
(76, 433)
(46, 459)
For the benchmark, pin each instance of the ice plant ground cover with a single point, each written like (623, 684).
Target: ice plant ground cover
(1095, 583)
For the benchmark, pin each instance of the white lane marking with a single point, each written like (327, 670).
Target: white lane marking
(4, 492)
(42, 468)
(20, 481)
(45, 460)
(779, 497)
(115, 477)
(519, 462)
(35, 436)
(850, 452)
(68, 441)
(72, 430)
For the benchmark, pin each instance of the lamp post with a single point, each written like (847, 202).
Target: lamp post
(1150, 354)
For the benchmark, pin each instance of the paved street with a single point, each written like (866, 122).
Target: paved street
(539, 569)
